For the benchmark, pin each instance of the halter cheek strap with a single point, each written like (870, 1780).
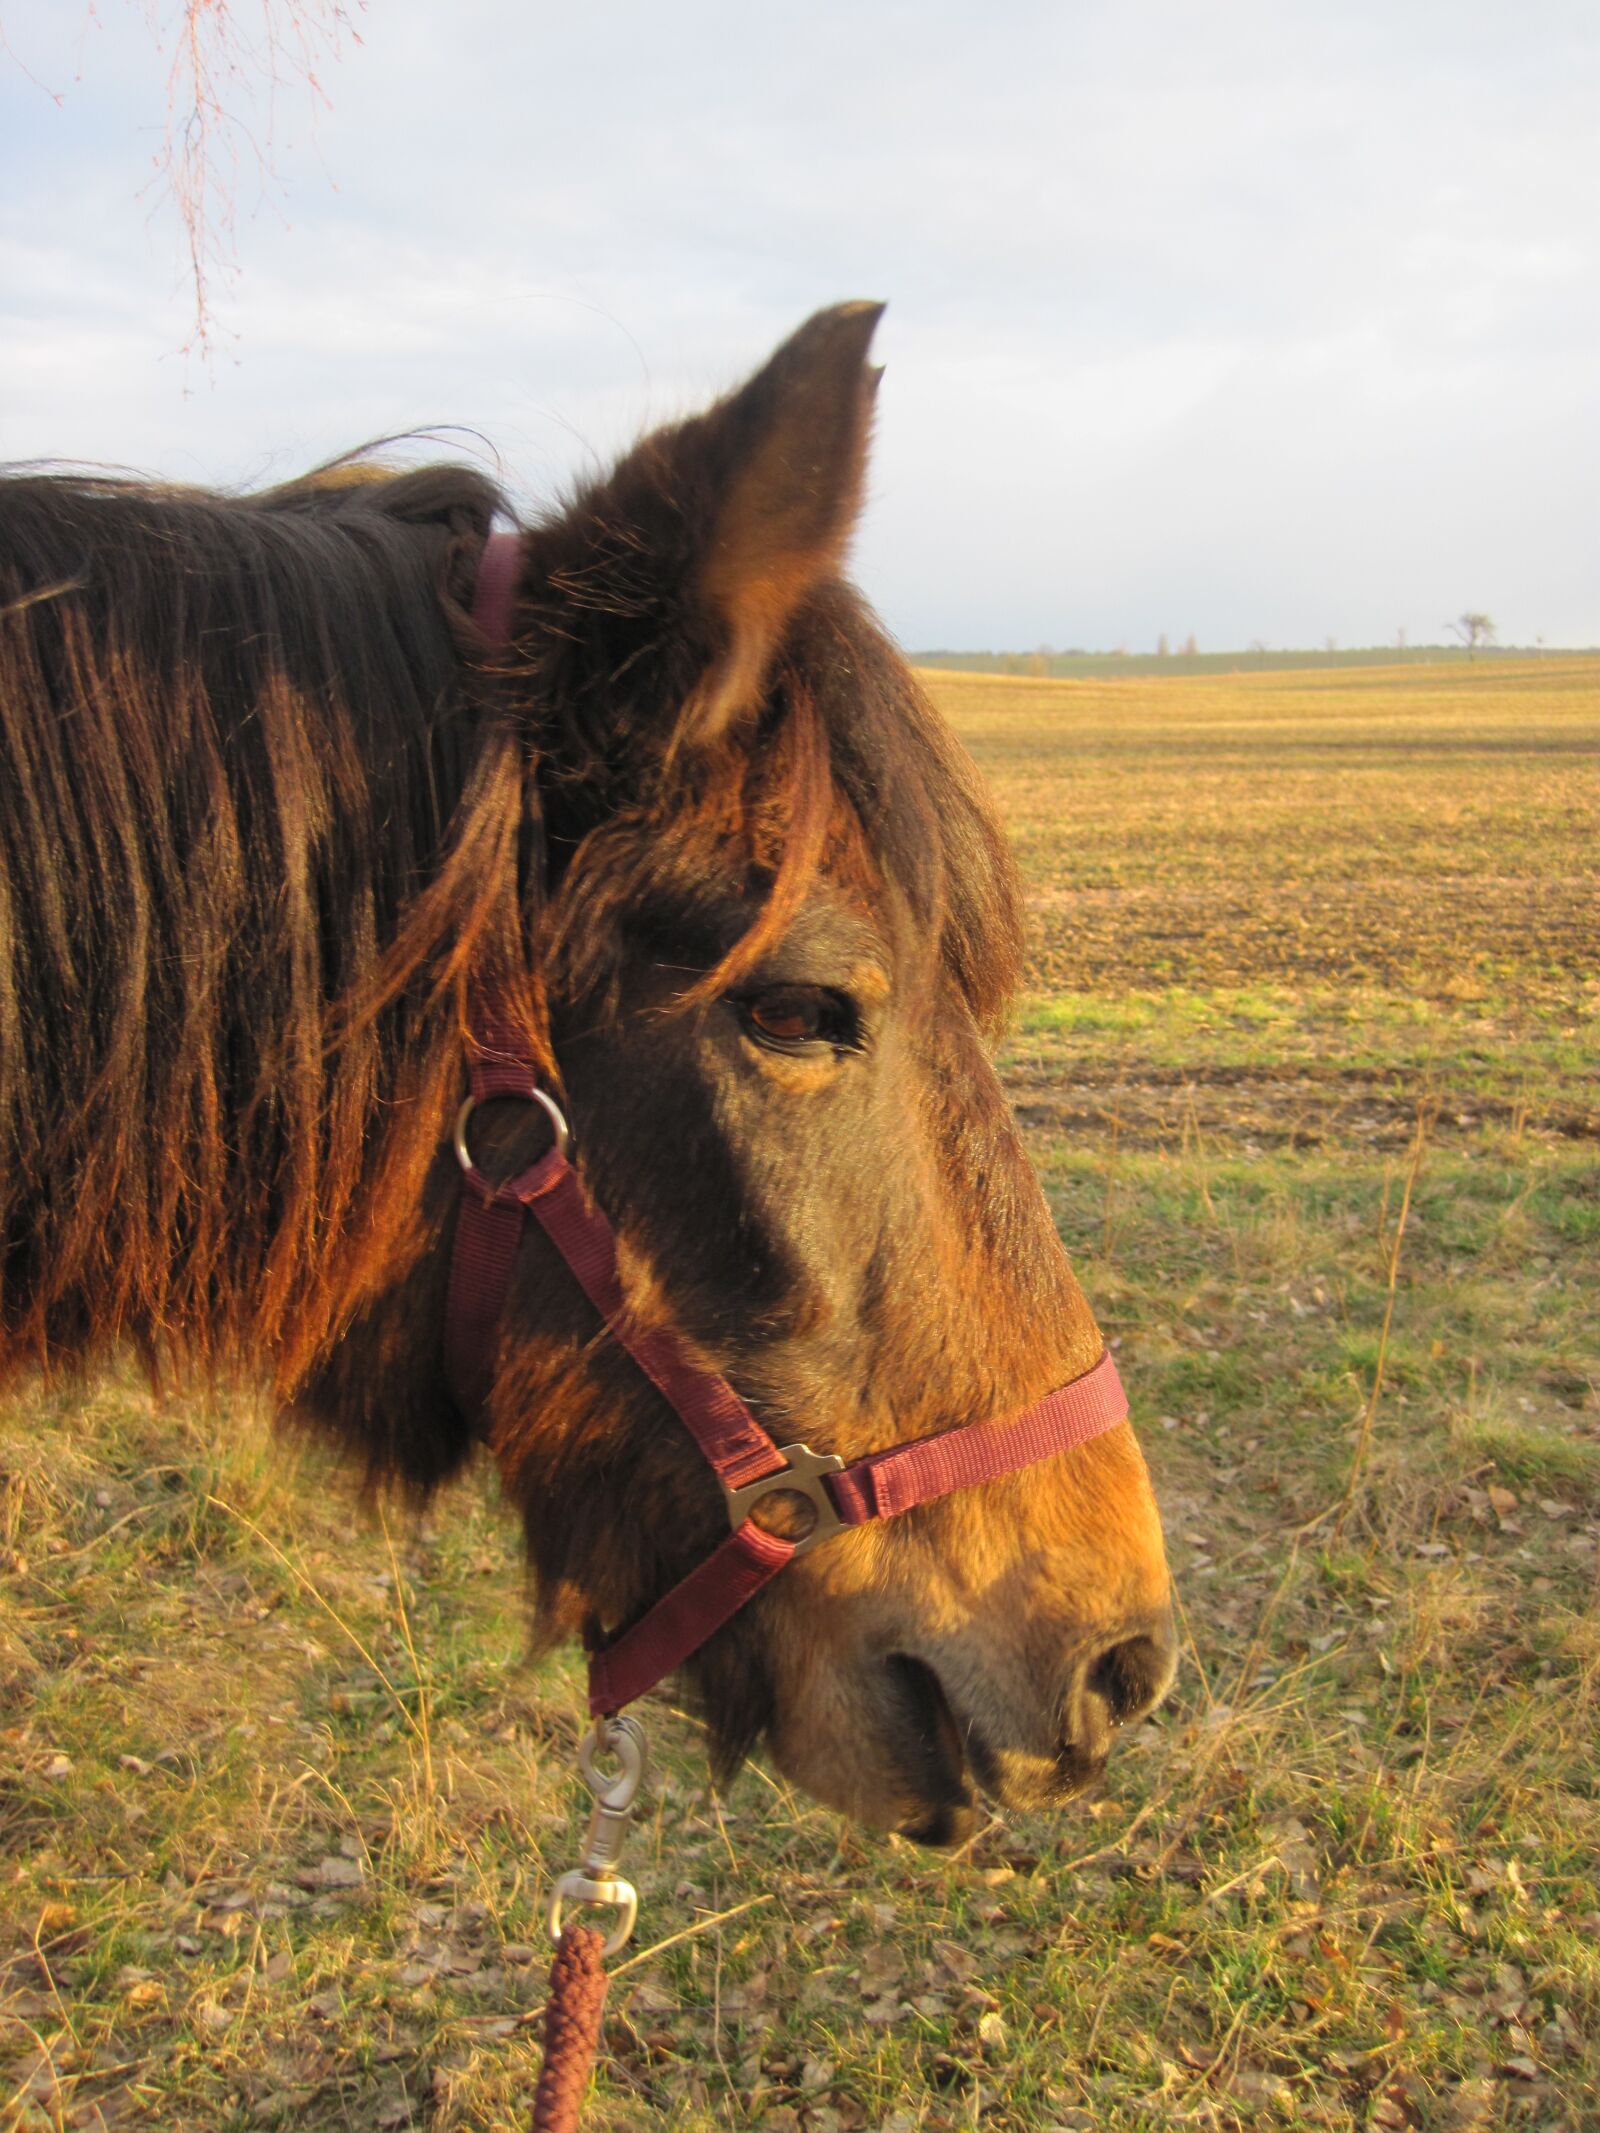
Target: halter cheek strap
(748, 1462)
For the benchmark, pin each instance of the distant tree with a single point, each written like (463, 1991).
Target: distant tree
(1332, 643)
(1400, 638)
(1161, 645)
(1473, 629)
(1190, 649)
(1259, 645)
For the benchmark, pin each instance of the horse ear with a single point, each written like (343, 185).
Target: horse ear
(779, 466)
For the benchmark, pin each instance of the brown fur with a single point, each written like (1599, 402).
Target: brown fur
(270, 809)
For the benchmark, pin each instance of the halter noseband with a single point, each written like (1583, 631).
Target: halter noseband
(748, 1462)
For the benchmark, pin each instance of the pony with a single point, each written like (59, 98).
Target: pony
(274, 809)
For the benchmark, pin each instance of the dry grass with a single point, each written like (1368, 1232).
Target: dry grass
(279, 1794)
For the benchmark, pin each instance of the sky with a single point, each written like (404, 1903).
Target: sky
(1257, 320)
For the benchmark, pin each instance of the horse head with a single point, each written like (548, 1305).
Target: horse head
(776, 922)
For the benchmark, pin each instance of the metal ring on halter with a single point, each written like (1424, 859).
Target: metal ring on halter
(578, 1887)
(547, 1104)
(801, 1475)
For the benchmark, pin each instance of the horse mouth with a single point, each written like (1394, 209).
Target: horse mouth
(929, 1751)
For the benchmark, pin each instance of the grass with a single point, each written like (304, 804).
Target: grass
(281, 1794)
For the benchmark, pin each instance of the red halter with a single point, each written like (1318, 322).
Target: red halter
(745, 1459)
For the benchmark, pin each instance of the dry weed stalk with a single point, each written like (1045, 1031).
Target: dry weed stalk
(424, 1726)
(1363, 1443)
(1108, 1215)
(1192, 1133)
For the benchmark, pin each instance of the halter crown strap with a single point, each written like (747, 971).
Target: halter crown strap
(494, 596)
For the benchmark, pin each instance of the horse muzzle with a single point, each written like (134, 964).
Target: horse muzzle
(949, 1742)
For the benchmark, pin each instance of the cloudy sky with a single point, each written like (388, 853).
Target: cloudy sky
(1260, 319)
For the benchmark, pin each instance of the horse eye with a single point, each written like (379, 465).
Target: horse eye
(793, 1016)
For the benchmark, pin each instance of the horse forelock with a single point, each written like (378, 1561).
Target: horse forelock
(848, 778)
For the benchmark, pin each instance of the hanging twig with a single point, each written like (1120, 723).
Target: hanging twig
(222, 84)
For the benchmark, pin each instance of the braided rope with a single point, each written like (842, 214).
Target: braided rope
(571, 2028)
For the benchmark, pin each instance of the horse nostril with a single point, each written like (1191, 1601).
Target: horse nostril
(1120, 1684)
(1127, 1679)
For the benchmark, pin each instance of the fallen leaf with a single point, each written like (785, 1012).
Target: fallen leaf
(957, 1962)
(651, 2000)
(992, 2035)
(882, 1967)
(334, 1872)
(1260, 2086)
(1471, 2108)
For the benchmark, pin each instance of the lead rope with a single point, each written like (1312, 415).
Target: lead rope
(577, 1970)
(571, 2028)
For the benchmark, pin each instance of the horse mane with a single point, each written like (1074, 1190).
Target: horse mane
(235, 745)
(267, 804)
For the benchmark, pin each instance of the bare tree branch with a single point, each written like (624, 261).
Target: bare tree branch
(229, 62)
(229, 66)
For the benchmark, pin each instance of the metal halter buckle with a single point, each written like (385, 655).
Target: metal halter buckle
(596, 1880)
(802, 1476)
